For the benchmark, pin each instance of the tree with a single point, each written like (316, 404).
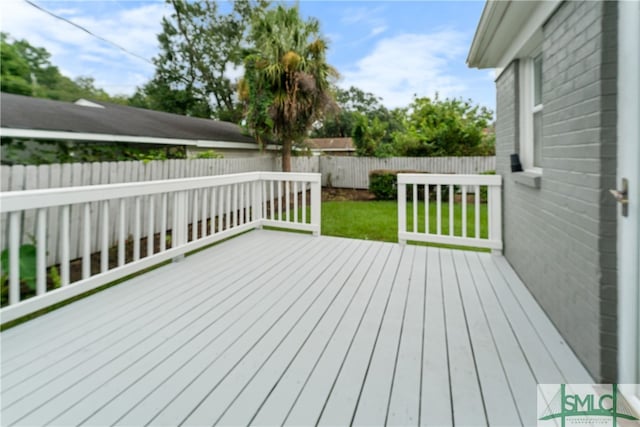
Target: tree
(351, 102)
(27, 70)
(15, 75)
(362, 117)
(371, 137)
(159, 95)
(449, 127)
(199, 46)
(286, 85)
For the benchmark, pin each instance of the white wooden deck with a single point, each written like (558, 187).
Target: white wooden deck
(274, 328)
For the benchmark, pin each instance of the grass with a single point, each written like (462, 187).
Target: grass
(378, 220)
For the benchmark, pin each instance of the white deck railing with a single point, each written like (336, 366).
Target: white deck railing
(455, 209)
(192, 213)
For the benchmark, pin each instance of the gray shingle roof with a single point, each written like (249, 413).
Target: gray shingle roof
(23, 112)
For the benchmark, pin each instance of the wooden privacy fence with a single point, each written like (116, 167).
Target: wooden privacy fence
(15, 178)
(339, 172)
(189, 212)
(433, 197)
(353, 172)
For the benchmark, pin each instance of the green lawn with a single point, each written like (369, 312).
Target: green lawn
(377, 220)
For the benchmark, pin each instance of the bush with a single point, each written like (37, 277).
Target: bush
(209, 154)
(384, 184)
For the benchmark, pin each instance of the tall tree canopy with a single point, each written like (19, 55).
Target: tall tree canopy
(374, 135)
(449, 127)
(27, 70)
(199, 47)
(15, 74)
(353, 103)
(286, 86)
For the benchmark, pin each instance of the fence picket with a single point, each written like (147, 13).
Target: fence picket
(104, 240)
(52, 180)
(64, 246)
(122, 215)
(14, 257)
(96, 174)
(75, 213)
(136, 229)
(86, 241)
(451, 207)
(29, 219)
(163, 222)
(203, 214)
(150, 224)
(477, 213)
(41, 252)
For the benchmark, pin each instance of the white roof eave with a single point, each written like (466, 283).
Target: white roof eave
(101, 137)
(504, 30)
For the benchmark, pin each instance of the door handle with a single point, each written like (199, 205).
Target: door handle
(622, 196)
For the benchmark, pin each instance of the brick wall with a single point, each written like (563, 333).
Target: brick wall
(560, 237)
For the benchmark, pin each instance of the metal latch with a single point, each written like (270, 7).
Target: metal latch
(622, 196)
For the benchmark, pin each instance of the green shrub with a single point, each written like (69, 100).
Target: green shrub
(26, 265)
(209, 154)
(383, 184)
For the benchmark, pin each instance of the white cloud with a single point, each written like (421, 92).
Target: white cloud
(362, 15)
(80, 54)
(370, 20)
(378, 30)
(399, 67)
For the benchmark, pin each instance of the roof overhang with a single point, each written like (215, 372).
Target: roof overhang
(100, 137)
(507, 30)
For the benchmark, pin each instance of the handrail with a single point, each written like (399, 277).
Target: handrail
(161, 220)
(431, 227)
(33, 199)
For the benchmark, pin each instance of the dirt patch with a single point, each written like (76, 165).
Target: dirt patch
(345, 194)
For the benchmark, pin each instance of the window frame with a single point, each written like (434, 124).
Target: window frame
(528, 110)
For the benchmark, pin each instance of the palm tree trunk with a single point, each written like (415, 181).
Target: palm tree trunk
(286, 155)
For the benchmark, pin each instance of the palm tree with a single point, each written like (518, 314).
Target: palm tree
(286, 85)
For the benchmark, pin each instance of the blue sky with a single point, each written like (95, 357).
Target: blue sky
(394, 49)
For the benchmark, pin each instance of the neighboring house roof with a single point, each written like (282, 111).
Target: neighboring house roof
(506, 30)
(28, 117)
(330, 144)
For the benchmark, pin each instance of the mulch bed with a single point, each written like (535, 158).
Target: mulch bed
(345, 194)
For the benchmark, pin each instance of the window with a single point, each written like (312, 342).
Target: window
(537, 111)
(531, 108)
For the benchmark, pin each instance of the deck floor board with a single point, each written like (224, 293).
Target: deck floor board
(306, 374)
(284, 328)
(435, 405)
(466, 394)
(493, 382)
